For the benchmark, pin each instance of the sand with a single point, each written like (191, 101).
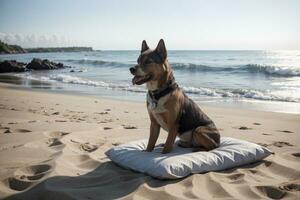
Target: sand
(52, 147)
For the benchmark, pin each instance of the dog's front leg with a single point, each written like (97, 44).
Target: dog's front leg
(154, 133)
(170, 140)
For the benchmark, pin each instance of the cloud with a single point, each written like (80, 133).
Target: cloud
(38, 40)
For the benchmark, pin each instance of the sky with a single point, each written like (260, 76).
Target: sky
(123, 24)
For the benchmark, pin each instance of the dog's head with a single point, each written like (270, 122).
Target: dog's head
(152, 64)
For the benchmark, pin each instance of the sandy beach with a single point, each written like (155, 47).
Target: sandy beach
(52, 147)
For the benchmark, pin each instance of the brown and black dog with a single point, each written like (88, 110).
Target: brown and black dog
(169, 107)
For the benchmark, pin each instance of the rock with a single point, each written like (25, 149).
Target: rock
(60, 65)
(9, 49)
(11, 66)
(38, 64)
(72, 70)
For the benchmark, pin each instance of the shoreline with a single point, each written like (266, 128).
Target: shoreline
(16, 82)
(53, 146)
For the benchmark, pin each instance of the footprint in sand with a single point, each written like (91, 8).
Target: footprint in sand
(256, 123)
(8, 130)
(281, 144)
(296, 155)
(244, 128)
(88, 147)
(116, 143)
(54, 142)
(22, 130)
(27, 177)
(291, 187)
(276, 144)
(14, 109)
(101, 113)
(271, 192)
(129, 127)
(83, 146)
(60, 120)
(266, 134)
(285, 131)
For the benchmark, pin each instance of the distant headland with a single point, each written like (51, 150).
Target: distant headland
(13, 49)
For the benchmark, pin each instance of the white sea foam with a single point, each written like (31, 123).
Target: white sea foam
(77, 80)
(240, 93)
(202, 91)
(274, 70)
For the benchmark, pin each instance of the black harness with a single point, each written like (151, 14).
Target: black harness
(168, 88)
(190, 117)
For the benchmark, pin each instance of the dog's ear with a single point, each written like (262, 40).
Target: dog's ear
(161, 49)
(144, 46)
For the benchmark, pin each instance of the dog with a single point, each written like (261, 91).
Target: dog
(169, 107)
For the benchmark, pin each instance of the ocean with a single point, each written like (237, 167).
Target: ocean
(261, 80)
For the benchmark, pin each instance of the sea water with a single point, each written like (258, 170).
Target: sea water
(263, 80)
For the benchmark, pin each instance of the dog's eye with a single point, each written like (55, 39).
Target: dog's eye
(147, 61)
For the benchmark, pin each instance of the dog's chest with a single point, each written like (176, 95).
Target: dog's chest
(157, 110)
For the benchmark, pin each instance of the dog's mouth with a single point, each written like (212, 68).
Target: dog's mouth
(139, 80)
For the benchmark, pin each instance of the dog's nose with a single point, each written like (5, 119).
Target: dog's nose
(132, 70)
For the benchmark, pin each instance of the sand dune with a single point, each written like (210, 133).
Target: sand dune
(52, 147)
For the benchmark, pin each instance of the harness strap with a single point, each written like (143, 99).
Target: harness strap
(157, 94)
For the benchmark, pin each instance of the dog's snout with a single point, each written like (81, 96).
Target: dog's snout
(132, 70)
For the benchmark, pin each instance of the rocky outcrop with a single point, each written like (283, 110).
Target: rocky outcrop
(12, 66)
(58, 49)
(9, 49)
(39, 64)
(35, 64)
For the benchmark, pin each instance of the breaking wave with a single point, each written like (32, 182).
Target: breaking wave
(97, 63)
(272, 70)
(249, 68)
(239, 93)
(211, 92)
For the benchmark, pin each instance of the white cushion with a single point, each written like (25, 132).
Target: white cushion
(183, 161)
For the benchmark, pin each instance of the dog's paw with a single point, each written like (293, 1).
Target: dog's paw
(166, 150)
(147, 150)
